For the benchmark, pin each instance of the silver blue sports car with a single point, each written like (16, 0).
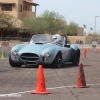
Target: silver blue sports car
(46, 50)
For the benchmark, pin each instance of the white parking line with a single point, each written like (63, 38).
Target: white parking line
(48, 89)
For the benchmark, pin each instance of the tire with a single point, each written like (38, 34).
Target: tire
(57, 63)
(13, 64)
(76, 58)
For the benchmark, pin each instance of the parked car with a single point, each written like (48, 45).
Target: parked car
(94, 42)
(42, 49)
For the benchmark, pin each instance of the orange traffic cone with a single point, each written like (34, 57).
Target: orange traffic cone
(9, 48)
(85, 50)
(40, 86)
(96, 51)
(84, 55)
(81, 83)
(88, 50)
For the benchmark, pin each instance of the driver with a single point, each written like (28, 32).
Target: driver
(58, 39)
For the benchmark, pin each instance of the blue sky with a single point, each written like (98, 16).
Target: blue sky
(79, 11)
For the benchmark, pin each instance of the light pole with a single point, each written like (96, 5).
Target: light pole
(95, 25)
(98, 31)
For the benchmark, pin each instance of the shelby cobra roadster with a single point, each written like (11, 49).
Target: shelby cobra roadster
(45, 49)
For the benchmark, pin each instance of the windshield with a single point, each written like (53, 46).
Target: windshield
(55, 39)
(41, 38)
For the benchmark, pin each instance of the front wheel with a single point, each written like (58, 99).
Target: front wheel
(13, 64)
(76, 58)
(58, 60)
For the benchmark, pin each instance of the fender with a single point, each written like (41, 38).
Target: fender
(74, 46)
(70, 55)
(53, 52)
(18, 47)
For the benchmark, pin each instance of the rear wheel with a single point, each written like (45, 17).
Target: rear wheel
(58, 60)
(13, 64)
(76, 58)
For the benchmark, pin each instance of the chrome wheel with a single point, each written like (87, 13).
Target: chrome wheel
(76, 59)
(58, 60)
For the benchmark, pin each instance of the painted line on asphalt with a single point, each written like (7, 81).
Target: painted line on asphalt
(4, 58)
(47, 88)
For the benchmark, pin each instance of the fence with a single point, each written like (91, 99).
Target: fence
(5, 43)
(15, 38)
(9, 38)
(84, 39)
(72, 39)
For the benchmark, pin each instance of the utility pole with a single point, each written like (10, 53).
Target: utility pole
(95, 25)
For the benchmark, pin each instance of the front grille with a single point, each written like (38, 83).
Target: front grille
(31, 63)
(29, 54)
(29, 58)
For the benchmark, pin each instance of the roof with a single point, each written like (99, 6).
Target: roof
(31, 3)
(7, 3)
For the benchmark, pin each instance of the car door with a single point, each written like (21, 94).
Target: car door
(65, 52)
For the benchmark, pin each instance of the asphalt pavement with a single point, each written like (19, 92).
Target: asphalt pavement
(17, 83)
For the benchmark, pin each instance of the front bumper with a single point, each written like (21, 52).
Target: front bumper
(31, 63)
(31, 59)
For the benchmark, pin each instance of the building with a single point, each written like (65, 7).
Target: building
(19, 8)
(80, 31)
(24, 9)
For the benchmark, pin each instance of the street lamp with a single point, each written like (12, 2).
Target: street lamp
(95, 24)
(98, 31)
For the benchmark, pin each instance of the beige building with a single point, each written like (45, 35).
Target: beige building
(23, 9)
(19, 8)
(80, 31)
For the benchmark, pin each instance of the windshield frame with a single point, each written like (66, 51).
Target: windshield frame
(38, 38)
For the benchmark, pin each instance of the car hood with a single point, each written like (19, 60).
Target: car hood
(35, 48)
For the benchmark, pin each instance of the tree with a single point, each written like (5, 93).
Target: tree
(34, 25)
(71, 29)
(54, 21)
(94, 35)
(7, 22)
(47, 22)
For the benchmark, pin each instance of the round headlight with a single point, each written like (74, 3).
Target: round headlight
(47, 54)
(14, 52)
